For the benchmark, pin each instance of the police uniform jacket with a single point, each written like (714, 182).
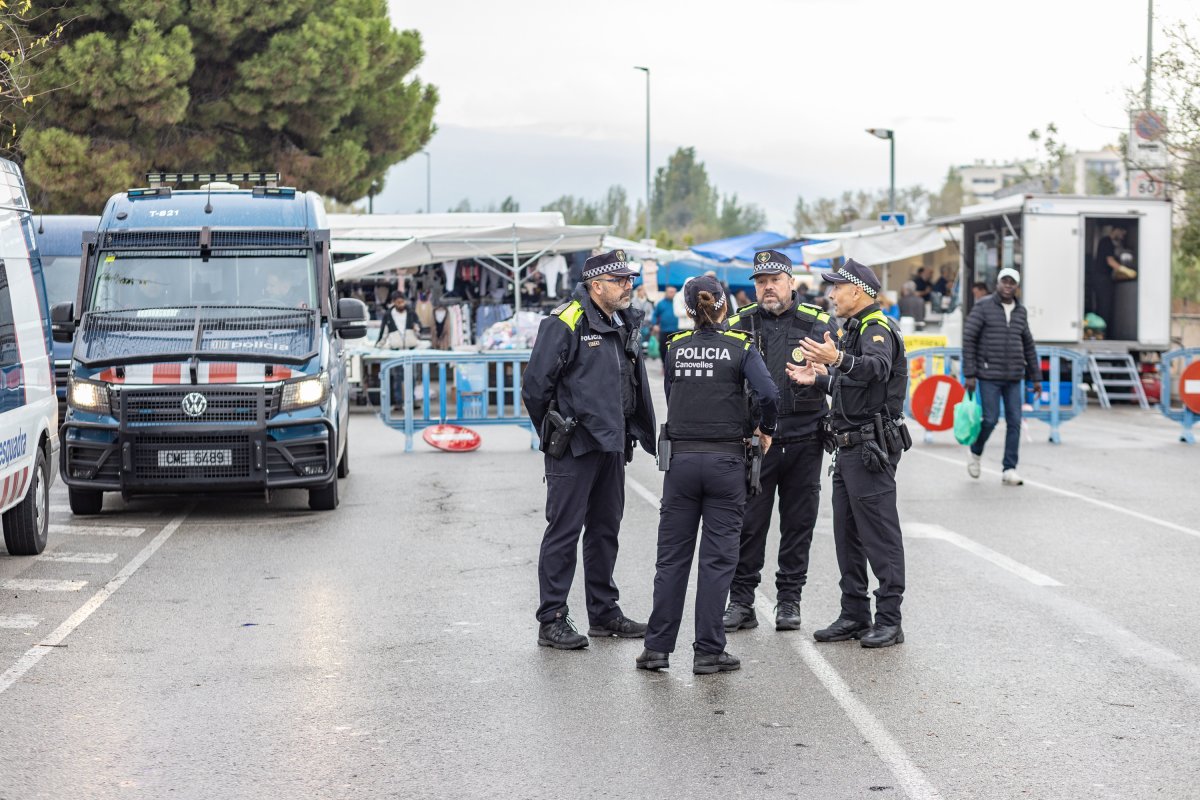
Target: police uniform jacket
(706, 371)
(873, 376)
(592, 367)
(778, 337)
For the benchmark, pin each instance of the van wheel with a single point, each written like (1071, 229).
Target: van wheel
(27, 524)
(324, 498)
(85, 502)
(343, 468)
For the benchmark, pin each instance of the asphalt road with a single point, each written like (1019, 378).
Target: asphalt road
(224, 647)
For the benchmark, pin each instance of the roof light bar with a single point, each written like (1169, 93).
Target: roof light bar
(262, 191)
(157, 191)
(262, 178)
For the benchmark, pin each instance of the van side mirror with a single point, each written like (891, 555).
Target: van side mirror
(351, 314)
(62, 322)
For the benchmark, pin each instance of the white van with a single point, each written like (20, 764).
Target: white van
(28, 406)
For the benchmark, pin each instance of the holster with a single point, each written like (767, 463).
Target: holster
(556, 433)
(827, 439)
(754, 456)
(664, 449)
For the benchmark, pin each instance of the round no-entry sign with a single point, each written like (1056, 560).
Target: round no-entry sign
(452, 438)
(1189, 387)
(934, 400)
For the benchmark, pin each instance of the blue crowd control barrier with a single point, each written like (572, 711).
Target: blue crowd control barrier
(487, 390)
(1180, 413)
(1049, 408)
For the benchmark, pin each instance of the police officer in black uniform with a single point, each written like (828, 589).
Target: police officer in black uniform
(585, 389)
(868, 378)
(777, 324)
(704, 453)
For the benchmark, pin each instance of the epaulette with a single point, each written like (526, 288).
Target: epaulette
(569, 312)
(678, 337)
(747, 308)
(813, 311)
(741, 337)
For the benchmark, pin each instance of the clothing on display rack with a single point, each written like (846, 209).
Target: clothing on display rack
(424, 309)
(441, 329)
(553, 268)
(488, 314)
(450, 271)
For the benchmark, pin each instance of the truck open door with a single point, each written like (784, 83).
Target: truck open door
(1052, 276)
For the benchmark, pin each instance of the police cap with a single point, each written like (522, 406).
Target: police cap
(613, 263)
(771, 262)
(704, 283)
(860, 275)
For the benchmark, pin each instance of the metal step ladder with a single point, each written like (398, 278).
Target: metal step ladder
(1115, 377)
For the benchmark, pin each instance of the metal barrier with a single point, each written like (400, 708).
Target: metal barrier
(487, 390)
(1053, 411)
(1181, 414)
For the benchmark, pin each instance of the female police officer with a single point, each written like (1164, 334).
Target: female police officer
(707, 420)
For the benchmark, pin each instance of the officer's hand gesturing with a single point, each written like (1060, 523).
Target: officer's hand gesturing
(825, 352)
(804, 374)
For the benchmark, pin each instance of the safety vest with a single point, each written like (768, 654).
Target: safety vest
(857, 402)
(707, 398)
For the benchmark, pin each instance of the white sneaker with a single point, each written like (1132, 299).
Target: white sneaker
(1011, 478)
(973, 466)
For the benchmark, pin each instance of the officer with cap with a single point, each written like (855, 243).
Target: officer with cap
(867, 376)
(777, 324)
(703, 451)
(585, 389)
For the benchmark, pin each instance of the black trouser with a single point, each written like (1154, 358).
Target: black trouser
(699, 486)
(584, 493)
(795, 471)
(866, 529)
(1102, 294)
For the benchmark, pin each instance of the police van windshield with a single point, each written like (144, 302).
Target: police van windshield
(62, 277)
(141, 281)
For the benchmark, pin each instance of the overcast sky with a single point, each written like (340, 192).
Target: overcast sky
(540, 98)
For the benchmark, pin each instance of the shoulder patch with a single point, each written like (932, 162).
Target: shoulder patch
(876, 338)
(561, 308)
(569, 313)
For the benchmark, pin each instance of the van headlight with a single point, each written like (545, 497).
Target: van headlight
(305, 392)
(88, 396)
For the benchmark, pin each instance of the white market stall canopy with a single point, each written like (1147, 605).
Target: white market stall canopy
(875, 246)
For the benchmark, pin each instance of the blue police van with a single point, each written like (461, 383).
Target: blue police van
(208, 345)
(59, 241)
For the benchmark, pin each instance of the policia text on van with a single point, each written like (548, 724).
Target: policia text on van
(208, 345)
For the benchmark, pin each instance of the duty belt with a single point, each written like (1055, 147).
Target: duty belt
(852, 438)
(731, 448)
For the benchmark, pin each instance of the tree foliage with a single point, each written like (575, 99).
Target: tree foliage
(1054, 166)
(687, 208)
(832, 213)
(319, 89)
(612, 210)
(21, 50)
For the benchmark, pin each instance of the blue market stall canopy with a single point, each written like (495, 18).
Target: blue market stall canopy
(740, 250)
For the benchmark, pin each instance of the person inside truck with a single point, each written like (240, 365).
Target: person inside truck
(1104, 269)
(280, 289)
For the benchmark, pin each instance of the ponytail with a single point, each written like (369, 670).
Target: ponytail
(708, 309)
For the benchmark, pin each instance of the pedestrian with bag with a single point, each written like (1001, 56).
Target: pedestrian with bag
(998, 352)
(703, 450)
(866, 373)
(777, 324)
(586, 391)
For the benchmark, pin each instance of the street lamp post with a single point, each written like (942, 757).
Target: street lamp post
(890, 135)
(428, 181)
(649, 227)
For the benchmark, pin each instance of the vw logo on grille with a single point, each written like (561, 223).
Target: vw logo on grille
(194, 404)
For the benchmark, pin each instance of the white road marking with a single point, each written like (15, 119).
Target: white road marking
(42, 585)
(1074, 496)
(921, 530)
(907, 773)
(96, 530)
(78, 558)
(19, 621)
(35, 654)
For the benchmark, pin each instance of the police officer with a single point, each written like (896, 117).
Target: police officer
(867, 377)
(585, 389)
(777, 324)
(704, 454)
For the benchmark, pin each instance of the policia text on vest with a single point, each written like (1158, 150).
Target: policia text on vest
(866, 373)
(586, 379)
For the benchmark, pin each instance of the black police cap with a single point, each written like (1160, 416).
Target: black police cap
(771, 262)
(860, 275)
(613, 263)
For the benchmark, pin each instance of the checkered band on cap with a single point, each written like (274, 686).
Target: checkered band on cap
(718, 305)
(771, 266)
(604, 269)
(857, 281)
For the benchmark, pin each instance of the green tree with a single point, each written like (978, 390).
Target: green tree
(319, 89)
(950, 199)
(684, 202)
(737, 219)
(613, 211)
(1054, 166)
(509, 205)
(829, 214)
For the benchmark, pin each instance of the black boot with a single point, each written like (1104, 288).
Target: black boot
(787, 615)
(739, 615)
(560, 634)
(883, 636)
(622, 627)
(841, 630)
(708, 663)
(653, 660)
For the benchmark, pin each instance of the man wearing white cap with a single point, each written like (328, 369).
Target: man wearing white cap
(998, 351)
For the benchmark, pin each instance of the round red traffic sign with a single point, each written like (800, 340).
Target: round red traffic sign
(1189, 387)
(452, 438)
(934, 400)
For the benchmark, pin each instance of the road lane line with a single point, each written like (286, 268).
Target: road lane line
(922, 530)
(42, 585)
(907, 773)
(1075, 496)
(35, 654)
(19, 621)
(78, 558)
(96, 530)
